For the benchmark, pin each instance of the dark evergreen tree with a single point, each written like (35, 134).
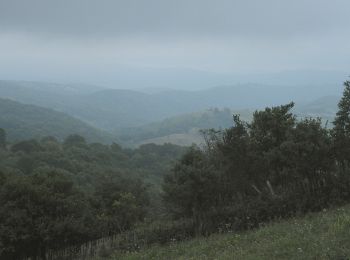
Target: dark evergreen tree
(2, 138)
(341, 130)
(268, 130)
(40, 212)
(233, 159)
(191, 191)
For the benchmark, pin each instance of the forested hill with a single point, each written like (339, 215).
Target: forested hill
(28, 121)
(112, 109)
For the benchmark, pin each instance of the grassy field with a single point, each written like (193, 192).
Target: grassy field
(324, 235)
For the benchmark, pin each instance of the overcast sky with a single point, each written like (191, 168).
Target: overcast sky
(108, 41)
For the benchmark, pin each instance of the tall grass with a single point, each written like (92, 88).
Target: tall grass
(324, 235)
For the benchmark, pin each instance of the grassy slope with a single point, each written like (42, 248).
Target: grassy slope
(324, 235)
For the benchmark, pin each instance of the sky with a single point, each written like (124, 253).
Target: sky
(178, 43)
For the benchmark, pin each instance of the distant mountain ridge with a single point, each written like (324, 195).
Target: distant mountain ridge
(112, 109)
(175, 116)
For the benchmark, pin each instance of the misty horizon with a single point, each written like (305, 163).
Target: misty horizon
(187, 45)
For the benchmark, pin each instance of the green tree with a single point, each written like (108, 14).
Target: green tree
(341, 130)
(191, 190)
(120, 203)
(306, 154)
(2, 138)
(233, 158)
(270, 127)
(268, 130)
(40, 212)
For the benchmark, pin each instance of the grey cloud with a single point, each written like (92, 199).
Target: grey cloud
(115, 18)
(100, 40)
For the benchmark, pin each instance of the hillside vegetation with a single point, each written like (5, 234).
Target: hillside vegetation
(57, 194)
(28, 121)
(324, 235)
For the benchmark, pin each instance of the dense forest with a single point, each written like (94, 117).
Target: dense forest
(55, 194)
(59, 194)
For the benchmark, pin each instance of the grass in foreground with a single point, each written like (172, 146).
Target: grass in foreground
(324, 235)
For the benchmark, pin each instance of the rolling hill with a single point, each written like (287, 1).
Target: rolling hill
(181, 129)
(113, 109)
(173, 116)
(324, 107)
(184, 129)
(28, 121)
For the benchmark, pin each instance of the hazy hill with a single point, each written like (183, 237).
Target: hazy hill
(237, 97)
(182, 129)
(116, 108)
(28, 121)
(325, 107)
